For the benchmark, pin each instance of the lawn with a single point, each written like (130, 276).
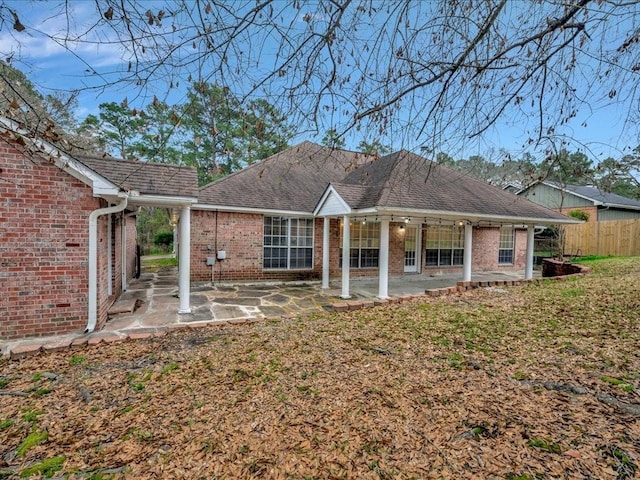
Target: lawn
(531, 382)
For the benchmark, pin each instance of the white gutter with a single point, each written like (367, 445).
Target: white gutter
(93, 261)
(261, 211)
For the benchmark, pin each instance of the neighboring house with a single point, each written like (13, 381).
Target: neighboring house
(613, 226)
(293, 215)
(601, 206)
(67, 232)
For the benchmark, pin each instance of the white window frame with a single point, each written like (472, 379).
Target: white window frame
(291, 243)
(506, 245)
(360, 243)
(449, 239)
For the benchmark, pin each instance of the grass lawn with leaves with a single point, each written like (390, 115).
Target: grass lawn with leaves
(533, 382)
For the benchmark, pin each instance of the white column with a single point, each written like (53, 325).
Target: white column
(325, 252)
(468, 252)
(528, 269)
(184, 262)
(109, 257)
(346, 257)
(123, 251)
(383, 273)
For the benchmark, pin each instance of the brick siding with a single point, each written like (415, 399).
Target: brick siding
(44, 243)
(240, 235)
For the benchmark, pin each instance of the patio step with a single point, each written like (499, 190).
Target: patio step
(124, 305)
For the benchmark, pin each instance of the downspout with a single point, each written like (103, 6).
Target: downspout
(93, 260)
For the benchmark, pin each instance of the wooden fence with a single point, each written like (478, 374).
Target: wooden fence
(614, 237)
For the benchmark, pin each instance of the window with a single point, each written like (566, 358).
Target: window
(505, 247)
(288, 243)
(364, 248)
(445, 246)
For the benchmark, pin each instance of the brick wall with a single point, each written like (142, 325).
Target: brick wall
(132, 242)
(44, 243)
(240, 235)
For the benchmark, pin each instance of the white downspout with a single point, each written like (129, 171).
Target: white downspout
(93, 261)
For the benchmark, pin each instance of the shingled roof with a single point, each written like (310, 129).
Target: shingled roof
(405, 181)
(292, 180)
(146, 178)
(597, 196)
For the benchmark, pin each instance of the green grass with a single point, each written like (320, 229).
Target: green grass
(160, 262)
(46, 468)
(34, 438)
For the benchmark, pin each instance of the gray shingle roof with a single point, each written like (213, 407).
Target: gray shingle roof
(404, 180)
(295, 179)
(597, 195)
(146, 178)
(292, 180)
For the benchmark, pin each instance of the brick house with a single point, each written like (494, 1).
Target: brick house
(67, 232)
(291, 217)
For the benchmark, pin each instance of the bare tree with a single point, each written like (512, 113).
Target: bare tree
(432, 74)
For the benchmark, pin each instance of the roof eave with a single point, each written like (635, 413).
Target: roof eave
(261, 211)
(472, 217)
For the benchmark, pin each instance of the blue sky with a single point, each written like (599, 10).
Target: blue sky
(602, 129)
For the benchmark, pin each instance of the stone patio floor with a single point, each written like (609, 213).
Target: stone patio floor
(150, 304)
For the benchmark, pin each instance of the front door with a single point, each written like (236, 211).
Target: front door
(410, 249)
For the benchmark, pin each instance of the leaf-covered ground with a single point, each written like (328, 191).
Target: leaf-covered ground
(531, 382)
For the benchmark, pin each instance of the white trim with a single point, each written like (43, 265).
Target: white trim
(142, 199)
(346, 256)
(330, 190)
(457, 216)
(326, 224)
(184, 261)
(259, 211)
(100, 185)
(92, 296)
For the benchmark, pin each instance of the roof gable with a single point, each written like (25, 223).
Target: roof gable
(405, 181)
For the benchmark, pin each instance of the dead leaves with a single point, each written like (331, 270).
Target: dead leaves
(462, 387)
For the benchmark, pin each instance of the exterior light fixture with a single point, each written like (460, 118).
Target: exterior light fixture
(407, 220)
(402, 227)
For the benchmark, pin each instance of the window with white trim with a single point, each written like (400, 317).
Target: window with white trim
(506, 245)
(364, 248)
(288, 243)
(444, 246)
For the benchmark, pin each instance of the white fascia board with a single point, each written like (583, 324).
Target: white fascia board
(330, 191)
(473, 217)
(260, 211)
(101, 186)
(618, 205)
(160, 200)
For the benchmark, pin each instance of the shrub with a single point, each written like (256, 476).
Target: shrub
(579, 214)
(163, 239)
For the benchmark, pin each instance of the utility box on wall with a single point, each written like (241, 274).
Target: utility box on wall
(211, 261)
(221, 255)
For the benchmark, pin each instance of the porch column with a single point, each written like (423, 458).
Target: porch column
(383, 273)
(346, 257)
(528, 269)
(325, 252)
(468, 254)
(123, 251)
(184, 260)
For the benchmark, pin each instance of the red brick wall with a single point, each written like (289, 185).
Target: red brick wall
(132, 242)
(43, 247)
(240, 235)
